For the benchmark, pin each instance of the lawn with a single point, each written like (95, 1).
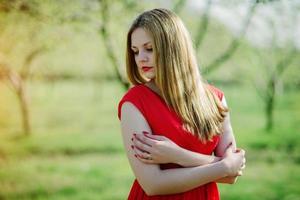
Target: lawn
(76, 152)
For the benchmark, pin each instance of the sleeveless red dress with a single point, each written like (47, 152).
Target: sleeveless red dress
(164, 121)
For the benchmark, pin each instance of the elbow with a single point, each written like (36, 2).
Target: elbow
(149, 186)
(150, 193)
(150, 190)
(228, 180)
(232, 180)
(156, 188)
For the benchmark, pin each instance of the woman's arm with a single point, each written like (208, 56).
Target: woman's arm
(158, 182)
(166, 151)
(187, 158)
(169, 152)
(226, 138)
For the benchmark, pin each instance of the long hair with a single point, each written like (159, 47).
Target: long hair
(177, 74)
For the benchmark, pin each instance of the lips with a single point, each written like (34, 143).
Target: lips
(146, 68)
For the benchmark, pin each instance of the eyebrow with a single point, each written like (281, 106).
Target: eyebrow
(145, 44)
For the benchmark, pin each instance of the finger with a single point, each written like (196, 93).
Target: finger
(142, 154)
(243, 166)
(141, 138)
(228, 149)
(136, 144)
(229, 145)
(240, 173)
(155, 137)
(147, 161)
(141, 146)
(147, 140)
(137, 151)
(242, 151)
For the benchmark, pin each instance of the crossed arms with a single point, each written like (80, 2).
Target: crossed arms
(199, 169)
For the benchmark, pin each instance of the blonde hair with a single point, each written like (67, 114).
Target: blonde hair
(177, 74)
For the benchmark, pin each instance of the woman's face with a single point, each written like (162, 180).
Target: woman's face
(141, 45)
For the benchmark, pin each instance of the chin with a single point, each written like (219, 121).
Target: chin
(148, 77)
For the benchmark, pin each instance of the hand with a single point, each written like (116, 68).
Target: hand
(154, 149)
(240, 173)
(234, 161)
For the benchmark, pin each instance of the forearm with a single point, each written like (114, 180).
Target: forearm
(180, 180)
(192, 159)
(188, 158)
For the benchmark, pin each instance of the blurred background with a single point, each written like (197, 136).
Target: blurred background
(62, 74)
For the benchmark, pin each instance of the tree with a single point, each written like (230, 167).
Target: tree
(267, 87)
(108, 41)
(235, 42)
(274, 62)
(16, 60)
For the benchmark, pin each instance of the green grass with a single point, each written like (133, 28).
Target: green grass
(88, 176)
(76, 152)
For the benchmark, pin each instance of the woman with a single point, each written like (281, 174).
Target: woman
(176, 128)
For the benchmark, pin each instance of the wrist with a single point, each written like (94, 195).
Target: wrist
(217, 159)
(225, 167)
(179, 158)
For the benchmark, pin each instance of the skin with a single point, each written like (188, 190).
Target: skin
(141, 46)
(153, 180)
(145, 147)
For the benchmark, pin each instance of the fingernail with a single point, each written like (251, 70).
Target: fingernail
(131, 139)
(145, 132)
(134, 134)
(132, 146)
(135, 155)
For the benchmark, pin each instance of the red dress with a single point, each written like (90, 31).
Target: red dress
(164, 121)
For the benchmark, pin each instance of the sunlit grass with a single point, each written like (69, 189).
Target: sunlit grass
(76, 149)
(86, 176)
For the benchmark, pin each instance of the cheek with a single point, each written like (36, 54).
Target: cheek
(135, 59)
(136, 63)
(153, 58)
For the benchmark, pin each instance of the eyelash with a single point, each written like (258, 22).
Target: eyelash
(147, 49)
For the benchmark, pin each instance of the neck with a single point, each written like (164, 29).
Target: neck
(151, 84)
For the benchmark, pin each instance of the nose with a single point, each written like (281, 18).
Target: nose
(142, 57)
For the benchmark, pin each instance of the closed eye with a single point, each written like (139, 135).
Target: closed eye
(149, 49)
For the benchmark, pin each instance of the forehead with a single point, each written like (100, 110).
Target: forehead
(140, 37)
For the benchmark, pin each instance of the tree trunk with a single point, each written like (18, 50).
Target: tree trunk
(234, 44)
(19, 88)
(23, 102)
(270, 103)
(107, 39)
(269, 114)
